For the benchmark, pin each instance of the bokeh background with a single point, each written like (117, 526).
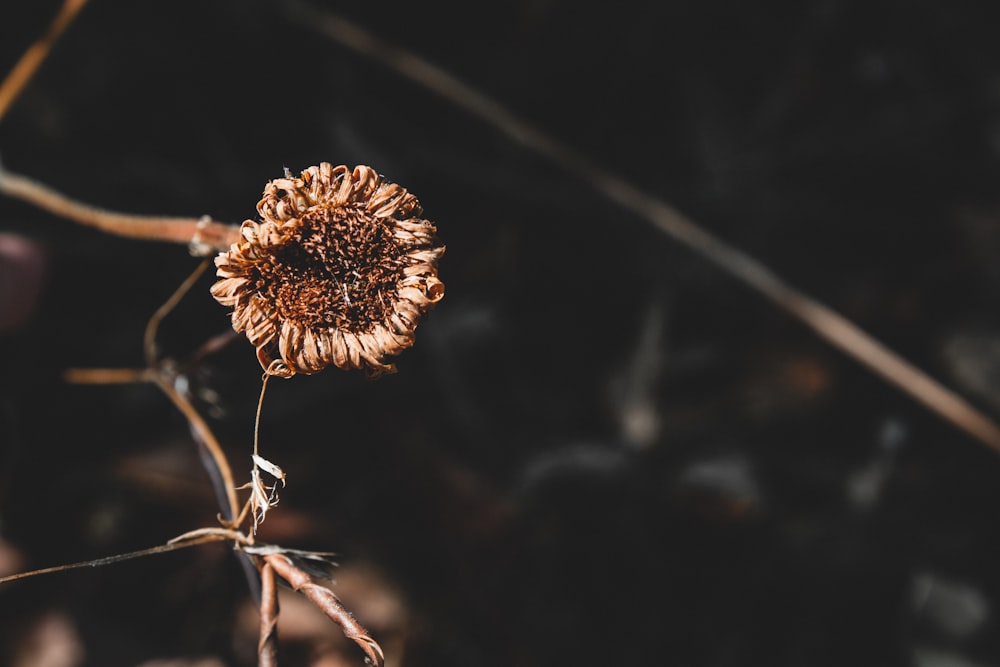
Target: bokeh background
(601, 450)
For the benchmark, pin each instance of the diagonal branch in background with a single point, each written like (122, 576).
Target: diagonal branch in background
(824, 321)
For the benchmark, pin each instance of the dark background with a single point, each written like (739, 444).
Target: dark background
(601, 449)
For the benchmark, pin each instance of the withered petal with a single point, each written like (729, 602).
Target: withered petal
(353, 349)
(338, 350)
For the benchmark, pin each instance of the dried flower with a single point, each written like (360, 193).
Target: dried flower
(339, 271)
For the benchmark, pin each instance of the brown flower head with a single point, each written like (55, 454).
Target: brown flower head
(339, 271)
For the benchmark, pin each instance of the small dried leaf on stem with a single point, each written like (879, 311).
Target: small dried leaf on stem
(262, 496)
(829, 325)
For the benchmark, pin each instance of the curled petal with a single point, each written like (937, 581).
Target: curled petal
(353, 350)
(338, 350)
(342, 177)
(366, 182)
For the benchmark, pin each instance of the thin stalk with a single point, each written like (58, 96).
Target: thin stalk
(173, 545)
(149, 337)
(202, 430)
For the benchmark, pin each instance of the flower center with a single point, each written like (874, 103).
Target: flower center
(340, 268)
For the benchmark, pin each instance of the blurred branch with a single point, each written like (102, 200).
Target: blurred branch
(33, 58)
(828, 324)
(203, 235)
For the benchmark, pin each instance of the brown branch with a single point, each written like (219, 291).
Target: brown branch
(203, 235)
(825, 322)
(202, 430)
(267, 645)
(33, 58)
(324, 598)
(163, 380)
(108, 375)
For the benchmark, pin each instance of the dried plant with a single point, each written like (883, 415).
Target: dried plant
(342, 268)
(339, 272)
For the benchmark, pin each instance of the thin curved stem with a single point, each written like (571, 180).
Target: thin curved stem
(149, 337)
(220, 533)
(163, 380)
(212, 445)
(173, 545)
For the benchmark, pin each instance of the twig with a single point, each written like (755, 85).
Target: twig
(200, 427)
(829, 325)
(324, 598)
(149, 337)
(108, 375)
(163, 380)
(32, 59)
(267, 645)
(221, 533)
(173, 545)
(203, 235)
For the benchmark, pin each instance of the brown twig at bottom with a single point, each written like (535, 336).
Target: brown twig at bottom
(324, 598)
(267, 645)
